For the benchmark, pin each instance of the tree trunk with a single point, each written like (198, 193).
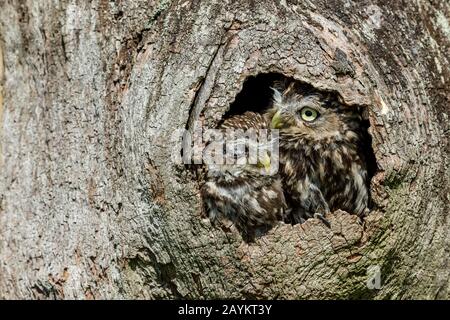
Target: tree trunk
(91, 91)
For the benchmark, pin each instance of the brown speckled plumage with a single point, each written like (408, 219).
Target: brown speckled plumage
(322, 161)
(243, 194)
(322, 164)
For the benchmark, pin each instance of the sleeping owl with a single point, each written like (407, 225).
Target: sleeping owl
(236, 190)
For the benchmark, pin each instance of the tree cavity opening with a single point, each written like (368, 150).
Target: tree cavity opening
(257, 96)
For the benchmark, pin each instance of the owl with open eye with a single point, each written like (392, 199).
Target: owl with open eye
(247, 194)
(322, 158)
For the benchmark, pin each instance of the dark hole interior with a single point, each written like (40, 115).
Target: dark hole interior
(256, 96)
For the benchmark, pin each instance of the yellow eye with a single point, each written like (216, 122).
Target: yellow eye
(309, 114)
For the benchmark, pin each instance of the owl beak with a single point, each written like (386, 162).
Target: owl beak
(276, 120)
(265, 161)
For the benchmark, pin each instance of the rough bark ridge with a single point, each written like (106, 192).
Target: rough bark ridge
(91, 92)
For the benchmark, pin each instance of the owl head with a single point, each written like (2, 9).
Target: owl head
(241, 158)
(312, 115)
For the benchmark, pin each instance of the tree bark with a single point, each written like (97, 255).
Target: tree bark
(91, 91)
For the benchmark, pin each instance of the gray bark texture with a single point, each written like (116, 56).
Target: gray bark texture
(91, 207)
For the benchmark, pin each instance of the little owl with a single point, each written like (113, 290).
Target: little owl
(322, 159)
(242, 193)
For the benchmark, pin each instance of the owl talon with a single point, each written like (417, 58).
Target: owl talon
(323, 219)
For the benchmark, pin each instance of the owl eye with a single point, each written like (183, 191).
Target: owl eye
(309, 114)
